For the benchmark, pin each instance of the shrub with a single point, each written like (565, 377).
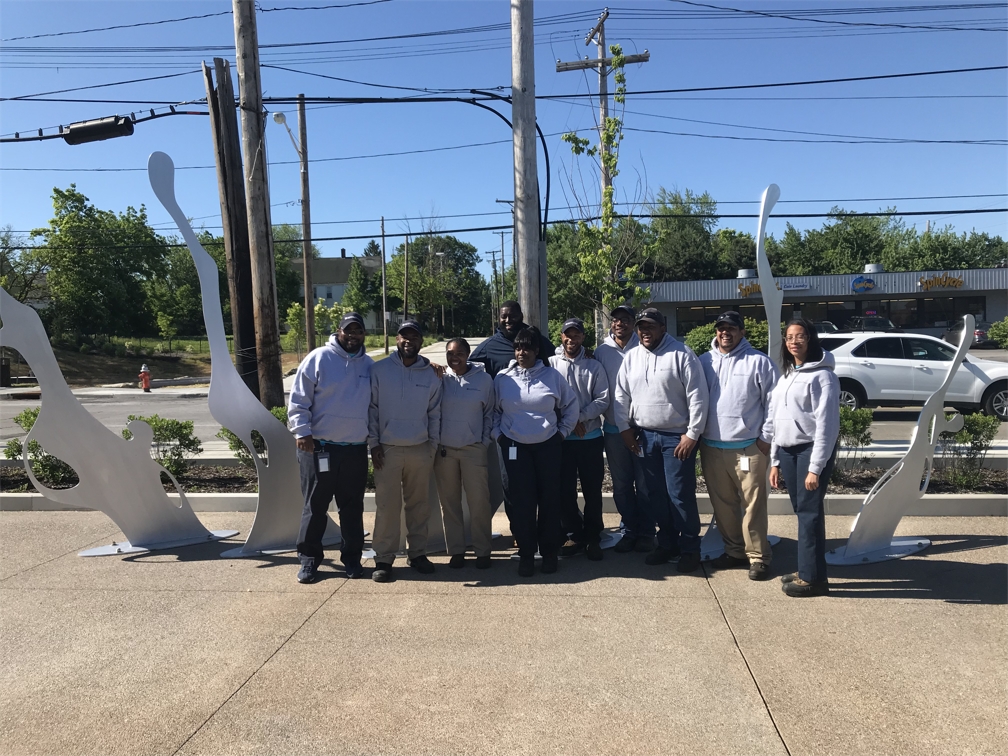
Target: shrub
(241, 451)
(700, 338)
(51, 471)
(109, 349)
(963, 453)
(85, 349)
(121, 351)
(174, 442)
(999, 332)
(855, 433)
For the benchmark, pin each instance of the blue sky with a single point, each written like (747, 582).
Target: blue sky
(687, 50)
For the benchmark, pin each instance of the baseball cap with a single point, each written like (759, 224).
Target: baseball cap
(351, 317)
(652, 315)
(406, 324)
(731, 318)
(627, 309)
(573, 323)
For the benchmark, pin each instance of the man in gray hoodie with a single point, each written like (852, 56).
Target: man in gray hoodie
(735, 448)
(327, 414)
(583, 447)
(661, 411)
(404, 429)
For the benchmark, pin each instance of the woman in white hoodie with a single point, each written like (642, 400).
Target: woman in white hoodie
(805, 415)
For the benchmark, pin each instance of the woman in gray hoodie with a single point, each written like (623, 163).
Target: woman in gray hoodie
(805, 414)
(535, 410)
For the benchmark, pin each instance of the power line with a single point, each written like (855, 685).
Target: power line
(885, 141)
(369, 84)
(99, 86)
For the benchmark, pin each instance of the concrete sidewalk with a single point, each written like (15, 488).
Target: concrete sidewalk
(183, 652)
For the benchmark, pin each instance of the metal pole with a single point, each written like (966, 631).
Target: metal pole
(384, 289)
(309, 293)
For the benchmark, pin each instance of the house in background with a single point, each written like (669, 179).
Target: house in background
(329, 279)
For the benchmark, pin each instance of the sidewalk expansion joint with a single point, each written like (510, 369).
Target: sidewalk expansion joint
(745, 661)
(266, 661)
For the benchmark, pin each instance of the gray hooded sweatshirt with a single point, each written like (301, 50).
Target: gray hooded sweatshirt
(467, 407)
(611, 356)
(739, 384)
(588, 380)
(405, 403)
(804, 408)
(330, 395)
(533, 405)
(664, 390)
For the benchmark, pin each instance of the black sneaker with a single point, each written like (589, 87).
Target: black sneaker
(798, 588)
(526, 566)
(354, 571)
(727, 562)
(422, 564)
(549, 564)
(382, 573)
(483, 563)
(759, 570)
(594, 552)
(689, 562)
(457, 561)
(571, 548)
(625, 544)
(660, 556)
(308, 572)
(644, 544)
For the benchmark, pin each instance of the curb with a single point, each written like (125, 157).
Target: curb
(931, 505)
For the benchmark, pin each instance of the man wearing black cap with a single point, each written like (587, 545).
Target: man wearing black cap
(404, 430)
(328, 415)
(736, 445)
(629, 490)
(497, 352)
(583, 447)
(661, 411)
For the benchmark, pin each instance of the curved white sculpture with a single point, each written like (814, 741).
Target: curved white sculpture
(234, 406)
(117, 477)
(871, 538)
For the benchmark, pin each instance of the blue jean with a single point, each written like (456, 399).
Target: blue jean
(671, 487)
(809, 506)
(629, 489)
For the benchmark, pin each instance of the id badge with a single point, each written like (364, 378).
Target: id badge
(323, 462)
(512, 453)
(744, 464)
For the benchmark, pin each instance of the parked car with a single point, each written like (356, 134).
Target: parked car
(870, 323)
(896, 370)
(825, 326)
(980, 338)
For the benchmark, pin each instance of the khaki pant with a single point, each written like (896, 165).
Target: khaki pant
(464, 467)
(403, 479)
(734, 492)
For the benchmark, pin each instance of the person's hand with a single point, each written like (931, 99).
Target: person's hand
(306, 444)
(378, 457)
(579, 430)
(439, 370)
(811, 482)
(685, 447)
(763, 446)
(629, 437)
(775, 477)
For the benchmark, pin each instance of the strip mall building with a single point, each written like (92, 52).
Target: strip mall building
(921, 301)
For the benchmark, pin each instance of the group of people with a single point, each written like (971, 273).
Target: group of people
(522, 422)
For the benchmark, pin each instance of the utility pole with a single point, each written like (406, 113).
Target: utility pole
(527, 225)
(271, 392)
(384, 288)
(309, 291)
(234, 218)
(405, 285)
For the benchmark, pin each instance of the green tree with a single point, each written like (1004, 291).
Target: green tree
(23, 268)
(167, 327)
(361, 290)
(682, 226)
(372, 249)
(175, 295)
(287, 247)
(296, 325)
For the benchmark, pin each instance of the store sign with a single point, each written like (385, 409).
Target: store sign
(747, 290)
(861, 285)
(943, 281)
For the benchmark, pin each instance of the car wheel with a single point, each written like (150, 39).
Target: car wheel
(852, 395)
(996, 402)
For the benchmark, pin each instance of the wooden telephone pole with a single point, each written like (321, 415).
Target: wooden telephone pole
(384, 288)
(234, 218)
(309, 289)
(271, 392)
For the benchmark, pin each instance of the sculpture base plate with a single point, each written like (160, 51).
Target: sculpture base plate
(899, 547)
(515, 557)
(125, 547)
(331, 541)
(715, 549)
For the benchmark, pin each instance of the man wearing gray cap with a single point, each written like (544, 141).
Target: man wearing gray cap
(583, 447)
(328, 416)
(736, 445)
(661, 411)
(404, 429)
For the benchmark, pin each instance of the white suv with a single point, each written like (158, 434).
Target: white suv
(899, 369)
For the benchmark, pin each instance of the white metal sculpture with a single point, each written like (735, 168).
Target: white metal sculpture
(234, 406)
(871, 538)
(117, 477)
(712, 545)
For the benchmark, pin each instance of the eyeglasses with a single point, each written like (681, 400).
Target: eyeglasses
(797, 338)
